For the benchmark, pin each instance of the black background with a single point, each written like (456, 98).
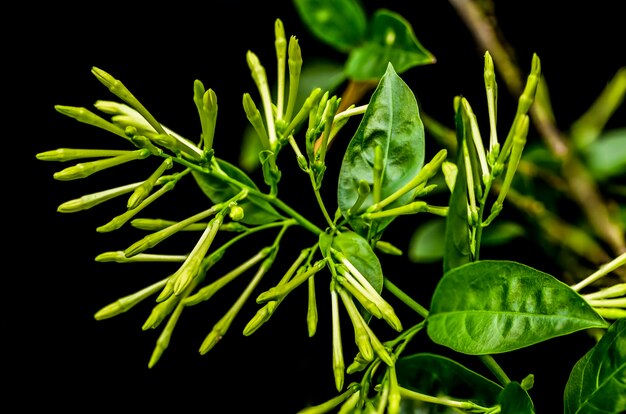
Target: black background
(59, 357)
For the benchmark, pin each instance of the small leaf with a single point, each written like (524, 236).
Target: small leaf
(339, 23)
(437, 375)
(427, 243)
(390, 40)
(501, 232)
(392, 123)
(360, 254)
(597, 383)
(492, 306)
(515, 400)
(256, 210)
(606, 156)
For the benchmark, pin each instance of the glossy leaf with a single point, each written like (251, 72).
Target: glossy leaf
(341, 24)
(493, 306)
(457, 240)
(597, 383)
(606, 156)
(390, 40)
(360, 254)
(391, 122)
(437, 375)
(427, 242)
(256, 210)
(501, 232)
(515, 400)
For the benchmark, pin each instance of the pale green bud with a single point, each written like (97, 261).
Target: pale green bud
(236, 213)
(160, 312)
(85, 116)
(70, 154)
(86, 169)
(127, 302)
(88, 201)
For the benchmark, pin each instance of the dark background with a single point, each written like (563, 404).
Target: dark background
(59, 357)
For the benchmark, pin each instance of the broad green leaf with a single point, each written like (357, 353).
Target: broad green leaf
(515, 400)
(606, 156)
(391, 122)
(390, 40)
(358, 251)
(492, 306)
(427, 242)
(437, 375)
(256, 210)
(341, 24)
(597, 383)
(457, 240)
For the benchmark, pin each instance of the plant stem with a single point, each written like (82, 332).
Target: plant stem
(601, 272)
(495, 369)
(422, 311)
(320, 202)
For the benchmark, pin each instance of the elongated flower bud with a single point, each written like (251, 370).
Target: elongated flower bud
(127, 302)
(83, 170)
(85, 116)
(70, 154)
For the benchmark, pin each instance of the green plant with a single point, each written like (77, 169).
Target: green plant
(383, 176)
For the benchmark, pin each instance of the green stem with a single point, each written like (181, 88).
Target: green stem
(422, 311)
(320, 202)
(495, 369)
(218, 173)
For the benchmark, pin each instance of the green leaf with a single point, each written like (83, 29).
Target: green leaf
(597, 383)
(256, 210)
(457, 250)
(606, 157)
(391, 122)
(491, 306)
(358, 251)
(501, 232)
(515, 400)
(341, 24)
(427, 242)
(437, 375)
(390, 40)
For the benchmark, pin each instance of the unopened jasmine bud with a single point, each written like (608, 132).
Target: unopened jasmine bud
(236, 213)
(394, 398)
(160, 312)
(90, 200)
(255, 119)
(311, 314)
(260, 79)
(127, 302)
(295, 67)
(388, 248)
(120, 220)
(611, 313)
(83, 170)
(338, 363)
(210, 341)
(304, 111)
(85, 116)
(70, 154)
(261, 316)
(119, 90)
(358, 364)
